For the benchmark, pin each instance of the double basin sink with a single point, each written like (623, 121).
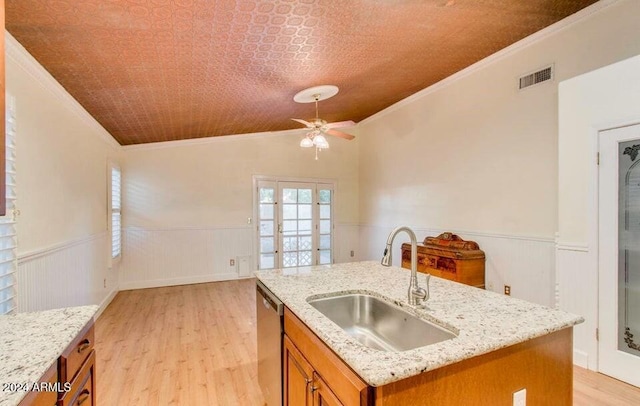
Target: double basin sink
(379, 324)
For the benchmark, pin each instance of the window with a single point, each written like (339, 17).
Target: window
(116, 229)
(8, 240)
(294, 223)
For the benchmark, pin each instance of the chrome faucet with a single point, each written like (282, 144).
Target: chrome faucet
(416, 295)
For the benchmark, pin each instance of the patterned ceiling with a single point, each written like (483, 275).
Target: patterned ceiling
(160, 70)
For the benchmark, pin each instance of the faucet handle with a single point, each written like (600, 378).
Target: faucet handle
(426, 288)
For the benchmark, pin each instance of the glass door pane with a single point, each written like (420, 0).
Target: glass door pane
(325, 229)
(629, 248)
(297, 223)
(267, 243)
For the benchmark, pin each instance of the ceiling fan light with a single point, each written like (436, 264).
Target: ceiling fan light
(320, 140)
(322, 145)
(306, 142)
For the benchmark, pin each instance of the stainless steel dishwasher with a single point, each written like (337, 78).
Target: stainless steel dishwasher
(269, 315)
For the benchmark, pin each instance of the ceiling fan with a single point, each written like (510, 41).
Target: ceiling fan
(319, 127)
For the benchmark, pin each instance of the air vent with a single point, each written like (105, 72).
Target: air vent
(540, 76)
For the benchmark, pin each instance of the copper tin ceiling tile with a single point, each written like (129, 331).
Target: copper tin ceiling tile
(160, 70)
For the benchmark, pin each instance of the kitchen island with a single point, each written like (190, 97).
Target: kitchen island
(502, 344)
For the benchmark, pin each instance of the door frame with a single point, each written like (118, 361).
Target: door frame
(604, 275)
(253, 221)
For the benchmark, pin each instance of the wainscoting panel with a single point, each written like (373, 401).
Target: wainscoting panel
(70, 274)
(525, 263)
(165, 257)
(345, 241)
(578, 294)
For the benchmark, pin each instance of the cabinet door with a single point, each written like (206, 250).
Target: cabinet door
(322, 395)
(298, 375)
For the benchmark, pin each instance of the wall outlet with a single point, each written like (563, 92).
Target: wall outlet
(353, 254)
(507, 290)
(232, 262)
(104, 282)
(520, 398)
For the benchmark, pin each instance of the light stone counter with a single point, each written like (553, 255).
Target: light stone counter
(31, 342)
(485, 321)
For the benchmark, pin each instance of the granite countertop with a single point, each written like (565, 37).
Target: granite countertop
(484, 321)
(31, 342)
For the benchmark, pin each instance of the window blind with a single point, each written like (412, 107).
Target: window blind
(8, 239)
(116, 229)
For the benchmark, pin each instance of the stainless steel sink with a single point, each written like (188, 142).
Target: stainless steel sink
(379, 324)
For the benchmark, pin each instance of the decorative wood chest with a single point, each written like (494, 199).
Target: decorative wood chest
(450, 257)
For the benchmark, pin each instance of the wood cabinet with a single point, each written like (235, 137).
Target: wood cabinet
(44, 398)
(450, 257)
(298, 375)
(315, 375)
(302, 385)
(322, 394)
(76, 366)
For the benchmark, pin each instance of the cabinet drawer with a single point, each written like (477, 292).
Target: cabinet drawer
(77, 352)
(82, 387)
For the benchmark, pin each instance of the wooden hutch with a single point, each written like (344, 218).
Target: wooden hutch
(450, 257)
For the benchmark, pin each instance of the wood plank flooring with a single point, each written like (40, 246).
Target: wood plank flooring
(183, 345)
(196, 345)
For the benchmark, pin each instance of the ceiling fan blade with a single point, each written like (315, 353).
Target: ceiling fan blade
(340, 134)
(306, 123)
(340, 124)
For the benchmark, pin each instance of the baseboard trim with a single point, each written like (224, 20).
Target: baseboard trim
(581, 359)
(159, 283)
(105, 302)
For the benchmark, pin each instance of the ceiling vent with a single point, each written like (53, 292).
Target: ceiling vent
(537, 77)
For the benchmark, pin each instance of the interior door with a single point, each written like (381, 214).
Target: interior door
(619, 254)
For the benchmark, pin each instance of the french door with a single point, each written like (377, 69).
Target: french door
(295, 223)
(619, 254)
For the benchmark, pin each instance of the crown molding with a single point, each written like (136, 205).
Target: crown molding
(18, 54)
(211, 140)
(493, 58)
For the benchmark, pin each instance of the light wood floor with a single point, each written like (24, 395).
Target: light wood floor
(196, 345)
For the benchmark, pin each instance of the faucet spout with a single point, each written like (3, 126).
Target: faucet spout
(416, 294)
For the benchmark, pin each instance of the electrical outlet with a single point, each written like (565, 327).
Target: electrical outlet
(105, 282)
(507, 290)
(232, 262)
(353, 254)
(520, 398)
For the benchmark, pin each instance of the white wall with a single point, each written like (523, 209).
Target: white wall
(474, 155)
(186, 203)
(606, 98)
(61, 170)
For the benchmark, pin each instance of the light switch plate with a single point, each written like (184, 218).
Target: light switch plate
(520, 398)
